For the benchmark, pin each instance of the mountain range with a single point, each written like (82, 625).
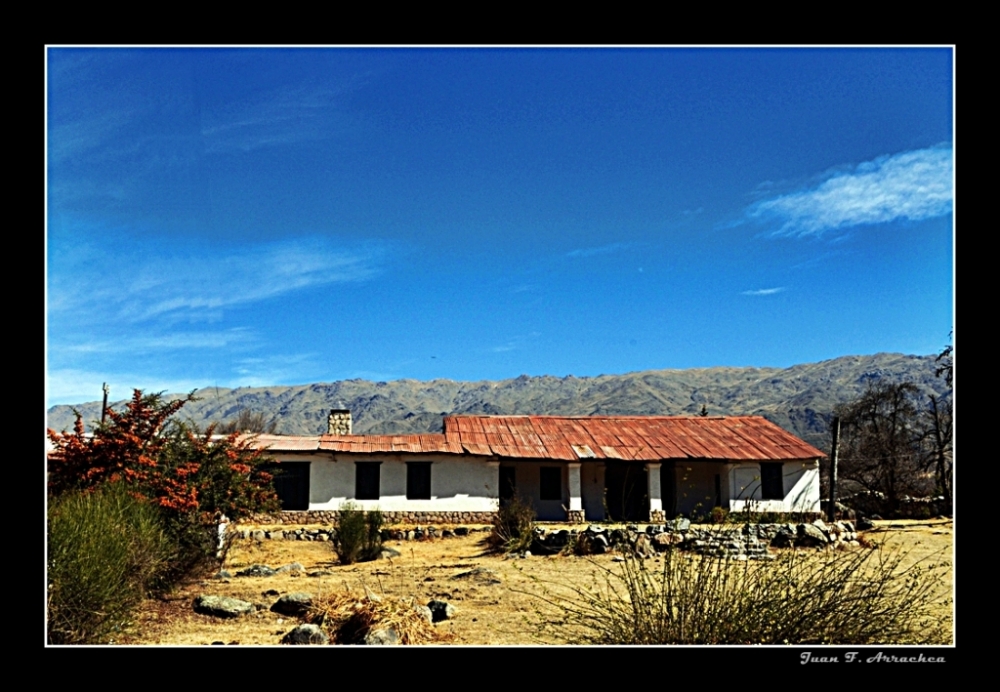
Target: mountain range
(800, 398)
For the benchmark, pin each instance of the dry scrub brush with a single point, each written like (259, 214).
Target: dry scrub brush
(858, 597)
(513, 526)
(358, 537)
(348, 618)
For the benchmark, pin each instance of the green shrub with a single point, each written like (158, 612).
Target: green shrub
(359, 534)
(718, 515)
(513, 526)
(196, 546)
(105, 550)
(863, 597)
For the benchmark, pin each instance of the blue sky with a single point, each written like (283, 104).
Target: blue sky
(247, 217)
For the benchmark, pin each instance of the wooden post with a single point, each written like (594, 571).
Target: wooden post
(104, 408)
(831, 511)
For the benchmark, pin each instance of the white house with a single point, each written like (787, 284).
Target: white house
(576, 468)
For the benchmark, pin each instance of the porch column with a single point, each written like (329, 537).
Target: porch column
(656, 515)
(575, 513)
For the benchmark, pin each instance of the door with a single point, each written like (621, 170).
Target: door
(626, 489)
(508, 484)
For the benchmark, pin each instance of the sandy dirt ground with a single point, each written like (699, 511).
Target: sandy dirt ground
(499, 601)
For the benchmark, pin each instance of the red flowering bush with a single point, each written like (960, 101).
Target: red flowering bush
(193, 476)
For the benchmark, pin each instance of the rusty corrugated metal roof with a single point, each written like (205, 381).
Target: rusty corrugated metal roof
(645, 438)
(571, 438)
(412, 444)
(287, 443)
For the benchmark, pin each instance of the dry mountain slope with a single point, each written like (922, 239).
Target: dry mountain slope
(799, 398)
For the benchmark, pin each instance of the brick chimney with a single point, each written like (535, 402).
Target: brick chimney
(338, 422)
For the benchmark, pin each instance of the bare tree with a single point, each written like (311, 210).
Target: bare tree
(882, 441)
(938, 426)
(946, 364)
(937, 439)
(248, 421)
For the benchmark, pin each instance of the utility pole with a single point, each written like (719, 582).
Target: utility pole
(104, 408)
(831, 511)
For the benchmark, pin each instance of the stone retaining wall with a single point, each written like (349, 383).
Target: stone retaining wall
(316, 516)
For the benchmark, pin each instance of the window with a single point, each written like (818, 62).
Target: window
(772, 485)
(418, 480)
(550, 482)
(366, 480)
(291, 484)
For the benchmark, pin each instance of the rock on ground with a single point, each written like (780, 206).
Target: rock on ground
(222, 606)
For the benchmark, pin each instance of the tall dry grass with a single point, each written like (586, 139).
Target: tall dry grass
(868, 596)
(105, 551)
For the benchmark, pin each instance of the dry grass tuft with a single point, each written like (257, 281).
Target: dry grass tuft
(349, 618)
(864, 597)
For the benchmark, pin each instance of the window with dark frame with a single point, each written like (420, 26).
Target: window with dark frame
(418, 480)
(772, 485)
(550, 483)
(291, 483)
(366, 480)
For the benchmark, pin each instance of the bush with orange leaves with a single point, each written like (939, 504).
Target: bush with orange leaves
(193, 476)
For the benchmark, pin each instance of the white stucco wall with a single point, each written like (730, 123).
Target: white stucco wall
(458, 484)
(471, 484)
(801, 488)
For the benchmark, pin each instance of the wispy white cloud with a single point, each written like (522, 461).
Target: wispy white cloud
(199, 286)
(283, 116)
(266, 370)
(74, 385)
(601, 250)
(113, 311)
(515, 343)
(911, 185)
(764, 291)
(164, 342)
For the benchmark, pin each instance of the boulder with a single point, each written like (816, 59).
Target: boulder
(680, 524)
(293, 603)
(306, 634)
(222, 606)
(481, 574)
(663, 541)
(441, 610)
(643, 546)
(811, 535)
(385, 636)
(256, 571)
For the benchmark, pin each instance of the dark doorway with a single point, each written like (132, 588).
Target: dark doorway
(508, 484)
(626, 488)
(291, 483)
